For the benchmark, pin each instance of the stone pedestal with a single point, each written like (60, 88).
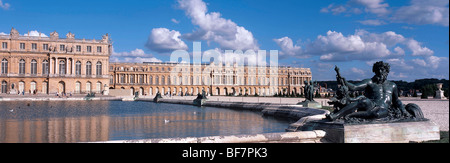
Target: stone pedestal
(440, 95)
(400, 132)
(310, 104)
(200, 102)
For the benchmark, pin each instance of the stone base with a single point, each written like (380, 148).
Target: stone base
(440, 95)
(310, 104)
(401, 132)
(200, 102)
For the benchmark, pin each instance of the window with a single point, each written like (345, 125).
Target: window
(45, 46)
(89, 49)
(111, 79)
(78, 68)
(22, 46)
(62, 67)
(122, 79)
(99, 49)
(22, 66)
(132, 79)
(62, 48)
(4, 66)
(88, 87)
(98, 87)
(45, 67)
(141, 79)
(88, 68)
(77, 87)
(78, 48)
(98, 69)
(33, 67)
(33, 46)
(4, 45)
(4, 87)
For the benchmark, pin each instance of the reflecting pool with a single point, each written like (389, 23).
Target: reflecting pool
(90, 121)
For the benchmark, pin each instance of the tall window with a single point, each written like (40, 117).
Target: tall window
(78, 68)
(62, 67)
(78, 48)
(33, 67)
(62, 48)
(45, 67)
(98, 68)
(89, 49)
(99, 49)
(45, 46)
(22, 66)
(33, 46)
(88, 68)
(122, 79)
(4, 45)
(4, 87)
(22, 46)
(4, 66)
(132, 79)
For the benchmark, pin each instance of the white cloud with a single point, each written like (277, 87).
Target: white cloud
(335, 9)
(374, 22)
(424, 12)
(418, 50)
(392, 39)
(362, 45)
(2, 33)
(357, 71)
(4, 6)
(417, 12)
(372, 6)
(288, 48)
(337, 47)
(135, 56)
(134, 53)
(35, 34)
(175, 21)
(163, 40)
(212, 27)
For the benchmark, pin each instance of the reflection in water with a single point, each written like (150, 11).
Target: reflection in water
(89, 121)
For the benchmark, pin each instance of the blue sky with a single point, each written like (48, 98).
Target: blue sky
(412, 35)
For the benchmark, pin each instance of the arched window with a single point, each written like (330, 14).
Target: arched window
(88, 68)
(4, 66)
(45, 67)
(78, 68)
(22, 66)
(4, 87)
(62, 67)
(33, 67)
(88, 87)
(98, 69)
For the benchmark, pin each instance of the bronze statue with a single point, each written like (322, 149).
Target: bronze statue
(309, 91)
(380, 99)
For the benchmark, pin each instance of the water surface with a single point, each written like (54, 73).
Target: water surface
(90, 121)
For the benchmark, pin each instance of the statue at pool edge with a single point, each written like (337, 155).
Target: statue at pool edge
(380, 101)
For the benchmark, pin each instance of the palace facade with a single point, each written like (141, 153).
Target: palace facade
(50, 65)
(214, 79)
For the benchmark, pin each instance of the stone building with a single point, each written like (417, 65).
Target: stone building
(50, 65)
(215, 79)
